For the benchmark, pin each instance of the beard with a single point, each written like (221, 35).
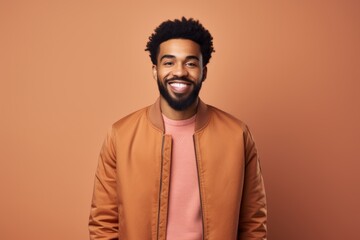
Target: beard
(179, 103)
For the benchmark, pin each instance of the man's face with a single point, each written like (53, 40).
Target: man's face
(179, 72)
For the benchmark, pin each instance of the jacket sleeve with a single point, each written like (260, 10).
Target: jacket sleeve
(253, 212)
(103, 220)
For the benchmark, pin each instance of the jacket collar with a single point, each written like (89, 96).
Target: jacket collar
(155, 116)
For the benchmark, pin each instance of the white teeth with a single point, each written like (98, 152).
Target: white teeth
(178, 85)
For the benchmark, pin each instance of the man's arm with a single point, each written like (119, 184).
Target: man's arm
(253, 213)
(103, 220)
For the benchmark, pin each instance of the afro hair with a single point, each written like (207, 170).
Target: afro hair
(181, 29)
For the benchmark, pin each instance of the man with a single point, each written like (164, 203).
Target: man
(179, 169)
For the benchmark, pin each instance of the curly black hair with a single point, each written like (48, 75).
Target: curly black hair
(181, 29)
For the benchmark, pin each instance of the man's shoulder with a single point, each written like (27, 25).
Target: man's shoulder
(219, 116)
(131, 119)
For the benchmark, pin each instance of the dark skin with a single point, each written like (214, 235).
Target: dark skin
(179, 58)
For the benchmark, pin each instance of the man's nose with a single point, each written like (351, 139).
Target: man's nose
(180, 71)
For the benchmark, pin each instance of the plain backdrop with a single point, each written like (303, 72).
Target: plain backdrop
(289, 69)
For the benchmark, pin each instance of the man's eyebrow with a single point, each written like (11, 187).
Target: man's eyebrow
(167, 56)
(192, 57)
(187, 58)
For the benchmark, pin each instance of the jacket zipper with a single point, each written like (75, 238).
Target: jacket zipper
(161, 172)
(198, 173)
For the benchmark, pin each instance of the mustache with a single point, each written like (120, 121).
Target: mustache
(179, 78)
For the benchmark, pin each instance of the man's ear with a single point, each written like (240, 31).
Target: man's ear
(154, 72)
(204, 74)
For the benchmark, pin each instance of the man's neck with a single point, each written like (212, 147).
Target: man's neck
(173, 114)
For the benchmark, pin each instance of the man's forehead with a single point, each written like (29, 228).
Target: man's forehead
(179, 48)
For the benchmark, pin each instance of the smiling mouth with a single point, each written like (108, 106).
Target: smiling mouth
(179, 86)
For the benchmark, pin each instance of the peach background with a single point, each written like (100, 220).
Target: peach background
(290, 69)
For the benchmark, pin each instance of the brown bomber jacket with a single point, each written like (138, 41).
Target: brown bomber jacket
(130, 199)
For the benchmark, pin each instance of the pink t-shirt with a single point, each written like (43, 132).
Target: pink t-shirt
(184, 218)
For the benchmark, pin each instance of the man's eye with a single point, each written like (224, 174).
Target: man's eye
(168, 63)
(191, 64)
